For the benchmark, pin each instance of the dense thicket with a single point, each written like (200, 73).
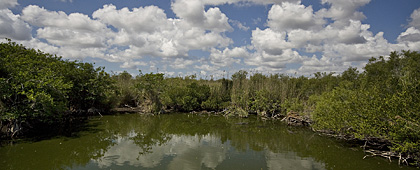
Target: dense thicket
(383, 102)
(40, 88)
(252, 94)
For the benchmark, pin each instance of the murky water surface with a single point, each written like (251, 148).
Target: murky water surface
(185, 141)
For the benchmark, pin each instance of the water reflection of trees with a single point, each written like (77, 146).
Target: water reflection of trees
(56, 153)
(258, 135)
(177, 138)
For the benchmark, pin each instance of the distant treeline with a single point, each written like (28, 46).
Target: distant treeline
(383, 102)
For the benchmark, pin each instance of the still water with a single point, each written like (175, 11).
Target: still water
(186, 141)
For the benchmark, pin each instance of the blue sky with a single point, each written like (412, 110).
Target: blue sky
(211, 38)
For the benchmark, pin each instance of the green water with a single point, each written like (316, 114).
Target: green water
(185, 141)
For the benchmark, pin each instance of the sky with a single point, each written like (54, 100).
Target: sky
(215, 38)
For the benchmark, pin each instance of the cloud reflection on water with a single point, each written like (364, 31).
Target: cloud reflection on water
(190, 152)
(187, 152)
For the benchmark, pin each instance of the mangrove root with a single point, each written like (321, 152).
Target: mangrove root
(388, 155)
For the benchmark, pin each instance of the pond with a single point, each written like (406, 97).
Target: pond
(187, 141)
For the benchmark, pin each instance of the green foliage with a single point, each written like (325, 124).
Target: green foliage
(293, 104)
(258, 94)
(30, 84)
(278, 94)
(40, 87)
(91, 86)
(219, 98)
(240, 94)
(350, 112)
(151, 87)
(382, 102)
(186, 95)
(195, 96)
(126, 93)
(350, 78)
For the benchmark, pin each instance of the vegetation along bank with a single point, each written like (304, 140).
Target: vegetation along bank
(380, 105)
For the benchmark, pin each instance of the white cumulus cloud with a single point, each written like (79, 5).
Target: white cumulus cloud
(336, 35)
(73, 30)
(181, 63)
(193, 13)
(13, 27)
(410, 38)
(343, 9)
(289, 16)
(415, 19)
(341, 42)
(143, 19)
(227, 56)
(274, 62)
(4, 4)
